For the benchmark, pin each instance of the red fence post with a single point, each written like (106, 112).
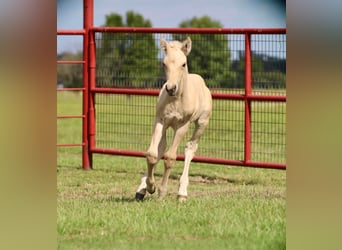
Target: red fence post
(248, 91)
(87, 25)
(92, 80)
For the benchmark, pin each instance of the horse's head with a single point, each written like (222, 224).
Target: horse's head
(175, 63)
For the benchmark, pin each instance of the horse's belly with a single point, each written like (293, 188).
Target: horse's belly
(174, 119)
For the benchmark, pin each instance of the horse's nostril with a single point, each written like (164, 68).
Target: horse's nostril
(171, 91)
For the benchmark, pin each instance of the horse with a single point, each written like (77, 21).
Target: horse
(184, 99)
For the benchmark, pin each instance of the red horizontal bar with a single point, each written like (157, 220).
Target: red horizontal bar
(118, 152)
(239, 163)
(274, 98)
(70, 145)
(270, 165)
(195, 159)
(126, 91)
(228, 96)
(70, 62)
(152, 92)
(191, 30)
(70, 116)
(70, 32)
(70, 89)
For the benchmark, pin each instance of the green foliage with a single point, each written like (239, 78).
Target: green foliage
(211, 56)
(202, 22)
(70, 75)
(131, 59)
(267, 72)
(126, 59)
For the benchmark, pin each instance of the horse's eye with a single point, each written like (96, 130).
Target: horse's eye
(164, 65)
(184, 65)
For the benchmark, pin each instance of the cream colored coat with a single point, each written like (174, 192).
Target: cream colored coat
(183, 99)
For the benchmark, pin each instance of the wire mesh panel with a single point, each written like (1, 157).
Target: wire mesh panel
(224, 137)
(127, 60)
(268, 131)
(125, 122)
(133, 61)
(269, 64)
(268, 78)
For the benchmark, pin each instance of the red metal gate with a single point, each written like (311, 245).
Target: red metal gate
(248, 124)
(88, 11)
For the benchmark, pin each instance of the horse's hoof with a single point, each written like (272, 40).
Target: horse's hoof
(151, 190)
(182, 198)
(139, 196)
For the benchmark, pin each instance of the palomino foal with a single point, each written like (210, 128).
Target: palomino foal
(183, 99)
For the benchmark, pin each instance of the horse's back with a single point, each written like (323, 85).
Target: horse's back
(199, 86)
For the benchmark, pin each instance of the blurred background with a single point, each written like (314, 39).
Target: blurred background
(229, 13)
(268, 66)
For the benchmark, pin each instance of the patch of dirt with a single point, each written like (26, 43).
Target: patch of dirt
(210, 179)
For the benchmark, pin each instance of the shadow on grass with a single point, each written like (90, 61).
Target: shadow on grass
(125, 199)
(202, 178)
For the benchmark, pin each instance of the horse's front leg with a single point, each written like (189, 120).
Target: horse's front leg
(154, 153)
(170, 157)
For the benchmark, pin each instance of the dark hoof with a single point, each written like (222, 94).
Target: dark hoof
(152, 190)
(139, 196)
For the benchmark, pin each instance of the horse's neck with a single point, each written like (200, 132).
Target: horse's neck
(187, 95)
(184, 87)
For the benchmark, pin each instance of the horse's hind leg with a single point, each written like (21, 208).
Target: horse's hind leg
(153, 155)
(170, 157)
(190, 150)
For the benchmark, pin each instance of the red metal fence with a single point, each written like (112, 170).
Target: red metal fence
(88, 19)
(244, 68)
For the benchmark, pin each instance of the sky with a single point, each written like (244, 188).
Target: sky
(165, 14)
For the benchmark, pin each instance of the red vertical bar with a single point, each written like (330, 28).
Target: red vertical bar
(248, 90)
(92, 65)
(92, 79)
(87, 24)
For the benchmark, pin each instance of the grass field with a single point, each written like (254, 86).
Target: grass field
(227, 208)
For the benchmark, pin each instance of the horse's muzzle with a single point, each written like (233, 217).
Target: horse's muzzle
(171, 91)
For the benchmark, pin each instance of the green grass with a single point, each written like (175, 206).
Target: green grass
(227, 208)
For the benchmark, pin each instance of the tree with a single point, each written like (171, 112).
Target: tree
(126, 59)
(210, 54)
(268, 72)
(70, 75)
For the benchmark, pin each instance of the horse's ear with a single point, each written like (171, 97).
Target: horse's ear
(163, 44)
(186, 46)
